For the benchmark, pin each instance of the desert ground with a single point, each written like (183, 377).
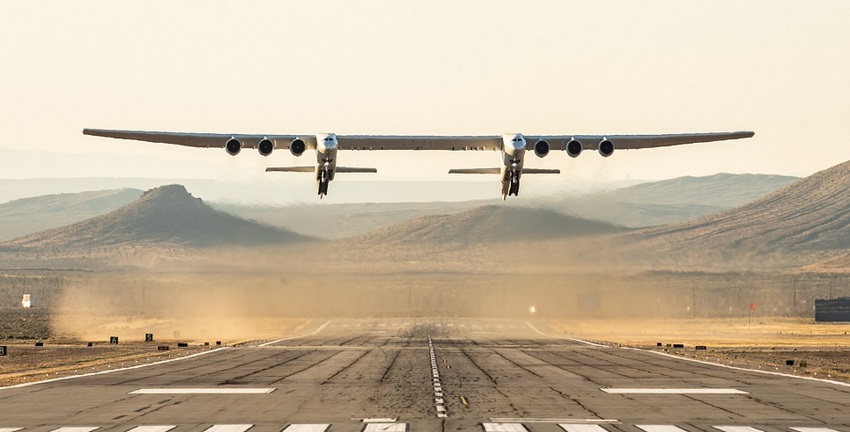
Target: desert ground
(818, 350)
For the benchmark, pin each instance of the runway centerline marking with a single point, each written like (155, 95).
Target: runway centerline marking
(212, 390)
(322, 327)
(229, 428)
(738, 429)
(504, 427)
(673, 391)
(385, 427)
(312, 427)
(152, 428)
(661, 428)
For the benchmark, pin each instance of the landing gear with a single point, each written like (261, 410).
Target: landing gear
(514, 188)
(323, 179)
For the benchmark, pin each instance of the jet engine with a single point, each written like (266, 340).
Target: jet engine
(233, 146)
(541, 148)
(606, 147)
(297, 147)
(574, 148)
(265, 146)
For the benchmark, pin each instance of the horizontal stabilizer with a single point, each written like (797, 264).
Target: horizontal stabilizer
(292, 169)
(340, 169)
(475, 171)
(310, 169)
(499, 170)
(540, 171)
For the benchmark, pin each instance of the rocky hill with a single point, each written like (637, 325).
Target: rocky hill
(812, 214)
(167, 215)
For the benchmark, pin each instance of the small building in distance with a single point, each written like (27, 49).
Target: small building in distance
(27, 301)
(833, 310)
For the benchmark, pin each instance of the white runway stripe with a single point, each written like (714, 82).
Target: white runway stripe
(152, 428)
(9, 429)
(813, 429)
(75, 429)
(229, 428)
(738, 429)
(672, 391)
(213, 390)
(661, 428)
(571, 427)
(314, 427)
(386, 427)
(504, 427)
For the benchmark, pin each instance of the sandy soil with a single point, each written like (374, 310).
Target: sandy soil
(63, 354)
(766, 343)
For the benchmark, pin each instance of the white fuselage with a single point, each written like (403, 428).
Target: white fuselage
(513, 153)
(326, 148)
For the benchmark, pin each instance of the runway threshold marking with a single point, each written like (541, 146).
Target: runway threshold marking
(167, 391)
(813, 429)
(660, 428)
(307, 427)
(322, 327)
(229, 428)
(152, 428)
(504, 427)
(385, 427)
(567, 338)
(76, 429)
(673, 391)
(573, 427)
(737, 429)
(548, 420)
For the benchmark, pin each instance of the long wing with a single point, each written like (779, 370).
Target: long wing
(625, 142)
(394, 142)
(191, 139)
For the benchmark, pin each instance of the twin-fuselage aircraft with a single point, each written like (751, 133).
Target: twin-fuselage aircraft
(513, 148)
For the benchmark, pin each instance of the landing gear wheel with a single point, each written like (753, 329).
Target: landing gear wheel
(323, 183)
(514, 189)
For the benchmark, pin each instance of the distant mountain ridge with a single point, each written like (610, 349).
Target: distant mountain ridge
(164, 215)
(487, 224)
(673, 200)
(28, 215)
(812, 214)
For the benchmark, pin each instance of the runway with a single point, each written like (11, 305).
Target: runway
(400, 375)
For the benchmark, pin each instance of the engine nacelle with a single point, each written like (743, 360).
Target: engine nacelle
(541, 148)
(265, 146)
(233, 146)
(606, 147)
(574, 148)
(297, 147)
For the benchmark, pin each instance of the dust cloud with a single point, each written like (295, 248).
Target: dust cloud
(264, 293)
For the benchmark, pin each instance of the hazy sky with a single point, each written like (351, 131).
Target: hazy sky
(780, 68)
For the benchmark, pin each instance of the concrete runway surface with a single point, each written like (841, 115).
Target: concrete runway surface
(411, 375)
